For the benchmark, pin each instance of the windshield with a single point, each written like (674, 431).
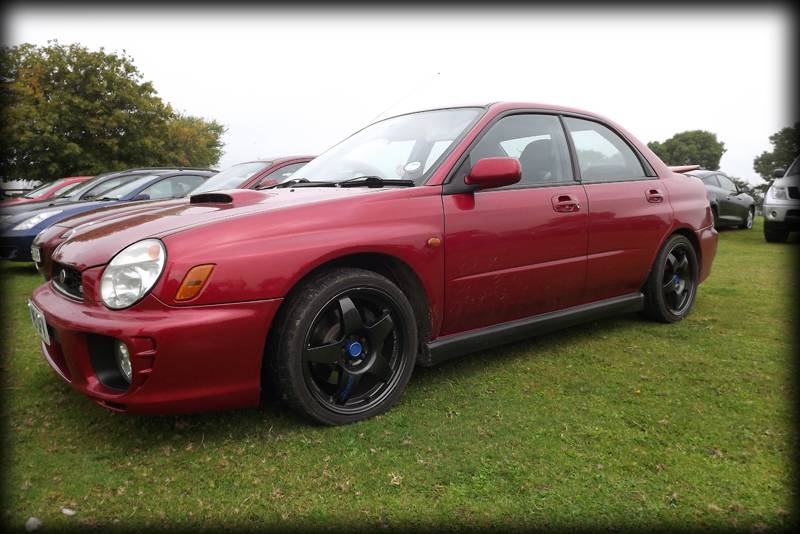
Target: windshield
(794, 169)
(232, 177)
(99, 190)
(68, 189)
(405, 147)
(128, 187)
(42, 189)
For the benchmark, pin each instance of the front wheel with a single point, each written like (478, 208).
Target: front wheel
(671, 288)
(346, 346)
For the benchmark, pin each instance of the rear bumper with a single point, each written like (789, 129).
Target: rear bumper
(707, 237)
(186, 359)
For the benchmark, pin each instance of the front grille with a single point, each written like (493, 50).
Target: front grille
(68, 281)
(794, 192)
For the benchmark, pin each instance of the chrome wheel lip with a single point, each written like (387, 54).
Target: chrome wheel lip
(360, 365)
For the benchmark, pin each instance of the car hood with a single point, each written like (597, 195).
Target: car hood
(109, 212)
(96, 243)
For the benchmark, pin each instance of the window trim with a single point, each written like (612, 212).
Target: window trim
(649, 172)
(450, 187)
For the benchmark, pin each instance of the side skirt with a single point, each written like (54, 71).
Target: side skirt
(454, 345)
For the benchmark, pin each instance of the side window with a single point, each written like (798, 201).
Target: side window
(726, 183)
(281, 174)
(711, 179)
(603, 156)
(537, 141)
(174, 187)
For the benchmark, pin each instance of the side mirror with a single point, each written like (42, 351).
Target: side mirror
(489, 173)
(142, 196)
(778, 173)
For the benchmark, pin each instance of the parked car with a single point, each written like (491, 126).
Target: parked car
(782, 204)
(730, 205)
(47, 191)
(92, 188)
(252, 174)
(17, 232)
(418, 238)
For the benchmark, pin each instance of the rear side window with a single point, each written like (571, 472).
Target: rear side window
(537, 141)
(603, 155)
(711, 179)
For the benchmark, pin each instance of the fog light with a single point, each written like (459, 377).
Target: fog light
(123, 360)
(773, 214)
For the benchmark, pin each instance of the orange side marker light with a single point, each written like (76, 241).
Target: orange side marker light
(193, 282)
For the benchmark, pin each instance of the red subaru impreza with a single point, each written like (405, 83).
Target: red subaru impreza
(419, 238)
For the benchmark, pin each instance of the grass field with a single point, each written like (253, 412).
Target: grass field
(617, 423)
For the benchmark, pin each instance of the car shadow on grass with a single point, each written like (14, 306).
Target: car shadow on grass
(126, 432)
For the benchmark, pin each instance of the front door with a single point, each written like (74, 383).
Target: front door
(520, 250)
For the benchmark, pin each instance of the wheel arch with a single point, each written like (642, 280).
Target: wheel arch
(686, 232)
(392, 267)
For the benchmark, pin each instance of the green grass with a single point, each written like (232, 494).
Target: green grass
(620, 422)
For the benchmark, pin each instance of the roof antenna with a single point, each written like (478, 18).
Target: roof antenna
(405, 97)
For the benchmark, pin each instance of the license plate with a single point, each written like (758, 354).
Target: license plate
(36, 254)
(39, 323)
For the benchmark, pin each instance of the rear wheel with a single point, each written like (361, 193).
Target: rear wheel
(773, 234)
(672, 285)
(748, 222)
(346, 346)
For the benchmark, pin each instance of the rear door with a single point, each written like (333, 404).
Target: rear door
(516, 251)
(629, 211)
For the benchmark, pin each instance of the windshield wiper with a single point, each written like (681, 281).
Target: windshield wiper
(302, 182)
(373, 181)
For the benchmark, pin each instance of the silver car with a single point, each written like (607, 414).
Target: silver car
(782, 204)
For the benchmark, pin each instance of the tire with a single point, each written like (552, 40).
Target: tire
(775, 235)
(748, 222)
(345, 346)
(671, 287)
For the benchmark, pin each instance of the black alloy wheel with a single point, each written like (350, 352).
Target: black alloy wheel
(671, 287)
(347, 346)
(353, 354)
(677, 283)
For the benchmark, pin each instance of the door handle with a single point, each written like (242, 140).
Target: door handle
(654, 196)
(566, 204)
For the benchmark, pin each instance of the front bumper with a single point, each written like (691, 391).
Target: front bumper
(187, 359)
(16, 248)
(785, 215)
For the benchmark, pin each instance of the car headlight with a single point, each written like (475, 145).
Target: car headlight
(132, 273)
(27, 224)
(778, 192)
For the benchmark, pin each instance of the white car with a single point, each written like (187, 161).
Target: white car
(782, 204)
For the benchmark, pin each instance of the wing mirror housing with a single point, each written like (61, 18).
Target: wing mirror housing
(489, 173)
(778, 173)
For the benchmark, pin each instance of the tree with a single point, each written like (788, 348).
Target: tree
(694, 147)
(69, 111)
(786, 147)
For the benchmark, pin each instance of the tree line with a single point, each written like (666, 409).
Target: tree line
(72, 111)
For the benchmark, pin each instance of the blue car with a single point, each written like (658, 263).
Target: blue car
(18, 230)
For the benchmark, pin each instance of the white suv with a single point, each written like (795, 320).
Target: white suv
(782, 204)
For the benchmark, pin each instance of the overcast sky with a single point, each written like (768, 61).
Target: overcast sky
(296, 82)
